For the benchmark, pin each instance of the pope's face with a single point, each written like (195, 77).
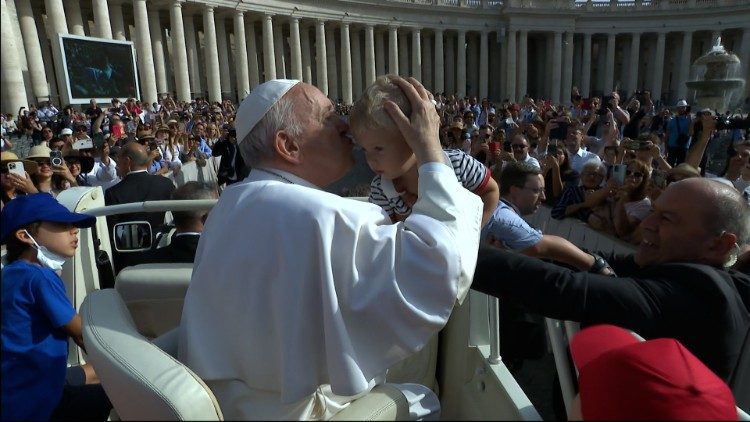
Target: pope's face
(325, 147)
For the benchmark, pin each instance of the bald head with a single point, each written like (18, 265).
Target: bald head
(137, 154)
(695, 220)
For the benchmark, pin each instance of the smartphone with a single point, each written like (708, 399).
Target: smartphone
(83, 144)
(55, 158)
(98, 140)
(552, 149)
(494, 147)
(17, 168)
(560, 132)
(618, 173)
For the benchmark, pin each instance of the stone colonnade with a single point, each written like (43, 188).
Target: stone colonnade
(202, 50)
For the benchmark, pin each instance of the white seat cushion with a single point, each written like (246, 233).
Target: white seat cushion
(142, 381)
(154, 294)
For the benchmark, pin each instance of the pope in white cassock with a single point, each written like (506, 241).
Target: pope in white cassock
(300, 299)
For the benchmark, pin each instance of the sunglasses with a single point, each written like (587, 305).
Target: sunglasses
(589, 174)
(634, 174)
(518, 146)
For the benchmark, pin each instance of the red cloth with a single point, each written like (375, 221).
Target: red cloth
(624, 378)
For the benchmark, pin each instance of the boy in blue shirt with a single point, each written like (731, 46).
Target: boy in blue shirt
(37, 316)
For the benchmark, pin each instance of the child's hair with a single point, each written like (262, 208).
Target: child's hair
(368, 112)
(15, 247)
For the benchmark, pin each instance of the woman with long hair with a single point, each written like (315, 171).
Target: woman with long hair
(632, 204)
(49, 178)
(557, 173)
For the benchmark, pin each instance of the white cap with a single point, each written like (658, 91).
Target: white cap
(66, 131)
(257, 104)
(682, 103)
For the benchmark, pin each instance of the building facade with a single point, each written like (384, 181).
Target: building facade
(484, 48)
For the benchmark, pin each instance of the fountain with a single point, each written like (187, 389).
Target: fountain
(716, 83)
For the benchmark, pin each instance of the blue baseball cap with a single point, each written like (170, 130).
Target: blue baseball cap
(24, 210)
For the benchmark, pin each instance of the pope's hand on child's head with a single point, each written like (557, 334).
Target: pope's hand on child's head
(421, 130)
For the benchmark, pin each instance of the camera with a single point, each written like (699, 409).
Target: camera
(731, 124)
(55, 158)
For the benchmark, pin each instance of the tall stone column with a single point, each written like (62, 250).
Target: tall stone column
(484, 65)
(278, 52)
(416, 54)
(223, 49)
(331, 61)
(145, 54)
(157, 46)
(296, 48)
(393, 50)
(744, 54)
(357, 87)
(380, 53)
(567, 78)
(321, 61)
(369, 54)
(269, 61)
(403, 56)
(179, 51)
(213, 75)
(510, 74)
(117, 21)
(427, 66)
(192, 55)
(684, 68)
(13, 89)
(346, 64)
(609, 69)
(658, 76)
(306, 61)
(523, 69)
(37, 74)
(101, 19)
(252, 53)
(56, 17)
(556, 67)
(439, 84)
(240, 60)
(450, 63)
(635, 50)
(461, 63)
(586, 68)
(75, 20)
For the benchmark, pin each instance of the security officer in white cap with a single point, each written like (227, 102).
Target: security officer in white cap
(679, 133)
(301, 300)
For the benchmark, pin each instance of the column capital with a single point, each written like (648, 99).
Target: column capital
(294, 19)
(208, 8)
(320, 21)
(345, 24)
(268, 16)
(177, 3)
(239, 13)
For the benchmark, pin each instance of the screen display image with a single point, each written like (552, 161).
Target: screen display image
(99, 69)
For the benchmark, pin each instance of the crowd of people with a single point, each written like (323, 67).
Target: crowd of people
(451, 174)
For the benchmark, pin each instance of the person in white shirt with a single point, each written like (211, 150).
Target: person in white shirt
(300, 300)
(520, 147)
(576, 154)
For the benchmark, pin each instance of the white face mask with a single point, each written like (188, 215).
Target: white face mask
(46, 257)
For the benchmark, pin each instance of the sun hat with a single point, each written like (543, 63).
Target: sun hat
(162, 128)
(682, 103)
(38, 152)
(685, 170)
(8, 157)
(621, 377)
(27, 209)
(257, 104)
(66, 131)
(87, 163)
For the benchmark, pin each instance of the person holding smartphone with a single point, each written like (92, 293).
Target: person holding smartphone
(15, 177)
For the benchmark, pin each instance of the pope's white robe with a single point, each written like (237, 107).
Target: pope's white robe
(298, 294)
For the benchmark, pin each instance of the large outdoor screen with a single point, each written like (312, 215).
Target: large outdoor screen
(98, 68)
